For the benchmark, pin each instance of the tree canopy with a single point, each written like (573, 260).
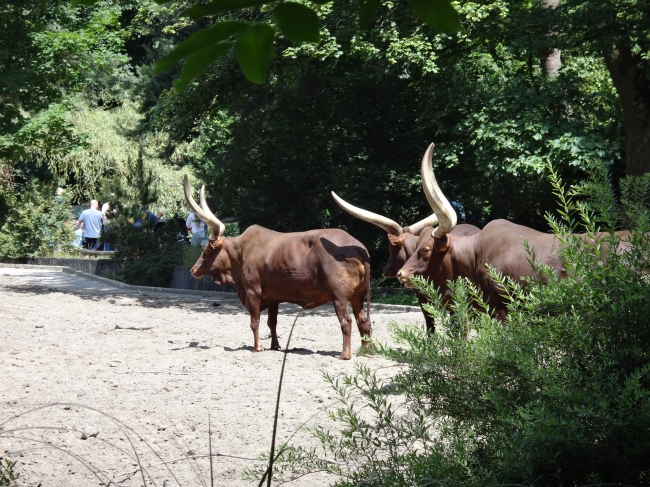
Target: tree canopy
(349, 110)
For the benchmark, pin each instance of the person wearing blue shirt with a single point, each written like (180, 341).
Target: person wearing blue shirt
(91, 220)
(149, 215)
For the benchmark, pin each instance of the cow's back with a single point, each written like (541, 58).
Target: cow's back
(501, 244)
(304, 267)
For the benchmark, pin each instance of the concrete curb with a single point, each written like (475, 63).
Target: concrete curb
(167, 290)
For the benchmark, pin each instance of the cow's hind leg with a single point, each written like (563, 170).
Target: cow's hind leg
(341, 308)
(363, 322)
(273, 322)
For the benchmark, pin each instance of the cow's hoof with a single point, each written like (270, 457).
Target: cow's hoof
(344, 357)
(258, 349)
(276, 347)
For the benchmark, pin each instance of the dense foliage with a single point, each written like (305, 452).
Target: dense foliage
(72, 88)
(352, 113)
(557, 396)
(355, 113)
(39, 222)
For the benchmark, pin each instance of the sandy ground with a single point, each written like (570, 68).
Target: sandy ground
(59, 344)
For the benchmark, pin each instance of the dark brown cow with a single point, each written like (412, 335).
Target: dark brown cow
(443, 256)
(402, 241)
(268, 268)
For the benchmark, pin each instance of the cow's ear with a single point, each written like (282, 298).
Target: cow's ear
(442, 244)
(398, 241)
(216, 244)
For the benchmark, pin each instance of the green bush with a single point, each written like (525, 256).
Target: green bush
(558, 395)
(37, 223)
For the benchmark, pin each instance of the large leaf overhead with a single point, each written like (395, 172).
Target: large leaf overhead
(254, 50)
(199, 61)
(199, 40)
(297, 22)
(439, 14)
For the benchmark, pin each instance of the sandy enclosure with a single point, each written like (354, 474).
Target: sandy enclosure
(59, 344)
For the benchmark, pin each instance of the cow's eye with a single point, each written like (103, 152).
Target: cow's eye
(426, 250)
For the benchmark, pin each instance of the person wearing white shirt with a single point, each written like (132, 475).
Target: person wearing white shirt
(195, 225)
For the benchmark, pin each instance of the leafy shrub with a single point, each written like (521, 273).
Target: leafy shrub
(560, 395)
(37, 223)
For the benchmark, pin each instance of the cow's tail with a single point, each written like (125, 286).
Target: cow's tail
(366, 266)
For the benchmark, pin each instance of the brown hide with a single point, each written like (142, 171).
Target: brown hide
(498, 244)
(401, 248)
(307, 268)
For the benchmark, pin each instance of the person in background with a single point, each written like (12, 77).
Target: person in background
(197, 227)
(106, 210)
(91, 220)
(149, 215)
(78, 236)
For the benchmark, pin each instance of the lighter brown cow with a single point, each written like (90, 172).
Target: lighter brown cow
(305, 268)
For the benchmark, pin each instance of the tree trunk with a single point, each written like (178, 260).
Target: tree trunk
(551, 59)
(633, 88)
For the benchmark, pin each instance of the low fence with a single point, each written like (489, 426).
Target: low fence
(99, 267)
(184, 280)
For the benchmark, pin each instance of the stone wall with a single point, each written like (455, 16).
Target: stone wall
(99, 267)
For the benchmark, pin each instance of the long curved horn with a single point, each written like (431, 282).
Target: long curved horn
(429, 221)
(212, 221)
(381, 221)
(219, 227)
(439, 204)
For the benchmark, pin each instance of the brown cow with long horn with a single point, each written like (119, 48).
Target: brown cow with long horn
(402, 241)
(306, 268)
(442, 256)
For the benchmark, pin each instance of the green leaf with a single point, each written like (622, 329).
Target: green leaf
(322, 2)
(86, 3)
(199, 62)
(297, 22)
(162, 2)
(199, 40)
(438, 14)
(254, 50)
(221, 6)
(366, 12)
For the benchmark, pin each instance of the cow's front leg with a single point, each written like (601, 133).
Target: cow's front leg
(273, 322)
(254, 310)
(343, 315)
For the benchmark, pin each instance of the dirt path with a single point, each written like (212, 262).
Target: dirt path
(59, 343)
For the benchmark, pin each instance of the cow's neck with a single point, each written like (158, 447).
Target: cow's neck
(233, 246)
(462, 256)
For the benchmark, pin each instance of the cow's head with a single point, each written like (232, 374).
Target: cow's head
(428, 259)
(214, 260)
(402, 241)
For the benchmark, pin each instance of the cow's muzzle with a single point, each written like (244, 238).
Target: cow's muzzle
(404, 278)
